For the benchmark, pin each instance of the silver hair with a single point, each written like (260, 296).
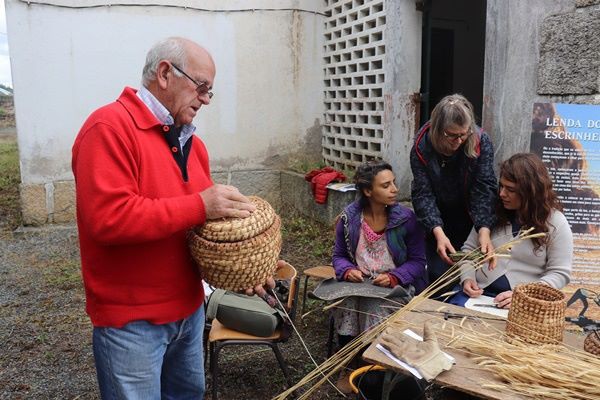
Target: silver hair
(456, 110)
(172, 49)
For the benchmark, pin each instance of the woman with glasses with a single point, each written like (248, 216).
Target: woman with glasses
(454, 186)
(526, 201)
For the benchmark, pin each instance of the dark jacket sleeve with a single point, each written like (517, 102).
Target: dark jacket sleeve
(423, 197)
(412, 271)
(484, 190)
(342, 260)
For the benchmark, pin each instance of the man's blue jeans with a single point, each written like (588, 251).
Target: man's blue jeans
(146, 361)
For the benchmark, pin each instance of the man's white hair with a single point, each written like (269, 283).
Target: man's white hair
(172, 49)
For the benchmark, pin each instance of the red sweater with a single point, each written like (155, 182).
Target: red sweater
(133, 211)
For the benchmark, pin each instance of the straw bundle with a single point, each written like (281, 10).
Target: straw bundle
(518, 369)
(567, 389)
(539, 372)
(537, 314)
(238, 253)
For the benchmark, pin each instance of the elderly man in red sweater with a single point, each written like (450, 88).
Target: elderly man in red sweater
(142, 180)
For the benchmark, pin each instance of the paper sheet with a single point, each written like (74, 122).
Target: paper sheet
(499, 312)
(342, 187)
(207, 290)
(401, 363)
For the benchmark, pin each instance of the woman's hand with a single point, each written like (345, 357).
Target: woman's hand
(471, 289)
(504, 299)
(443, 244)
(382, 280)
(487, 247)
(354, 275)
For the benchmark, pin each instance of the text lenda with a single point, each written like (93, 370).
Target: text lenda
(573, 123)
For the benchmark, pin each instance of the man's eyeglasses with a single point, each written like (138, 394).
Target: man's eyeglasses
(201, 87)
(457, 136)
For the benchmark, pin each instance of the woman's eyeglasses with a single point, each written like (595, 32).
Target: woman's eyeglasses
(456, 136)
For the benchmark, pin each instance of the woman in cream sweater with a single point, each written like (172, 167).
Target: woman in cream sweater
(526, 201)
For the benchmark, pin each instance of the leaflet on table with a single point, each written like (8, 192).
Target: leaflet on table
(485, 304)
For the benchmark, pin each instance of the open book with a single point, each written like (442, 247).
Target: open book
(486, 304)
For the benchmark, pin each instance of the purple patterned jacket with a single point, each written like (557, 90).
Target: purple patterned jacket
(404, 237)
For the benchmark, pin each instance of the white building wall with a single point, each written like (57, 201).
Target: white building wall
(372, 80)
(68, 58)
(401, 89)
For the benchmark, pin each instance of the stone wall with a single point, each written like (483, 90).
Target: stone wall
(537, 51)
(296, 193)
(54, 203)
(262, 183)
(49, 203)
(570, 54)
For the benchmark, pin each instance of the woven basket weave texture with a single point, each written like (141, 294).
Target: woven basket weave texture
(536, 314)
(592, 343)
(238, 253)
(237, 229)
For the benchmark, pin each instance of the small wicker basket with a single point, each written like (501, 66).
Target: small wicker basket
(592, 343)
(537, 314)
(238, 253)
(237, 229)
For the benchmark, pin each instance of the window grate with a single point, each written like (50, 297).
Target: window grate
(354, 51)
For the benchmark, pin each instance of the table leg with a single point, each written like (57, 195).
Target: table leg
(390, 380)
(386, 388)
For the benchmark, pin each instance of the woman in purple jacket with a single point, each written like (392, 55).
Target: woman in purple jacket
(377, 241)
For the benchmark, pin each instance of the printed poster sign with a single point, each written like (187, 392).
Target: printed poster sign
(567, 138)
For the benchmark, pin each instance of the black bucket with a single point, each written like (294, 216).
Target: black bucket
(369, 380)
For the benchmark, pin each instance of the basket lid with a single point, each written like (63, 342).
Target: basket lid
(237, 229)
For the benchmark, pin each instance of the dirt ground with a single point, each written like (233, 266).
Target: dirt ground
(45, 335)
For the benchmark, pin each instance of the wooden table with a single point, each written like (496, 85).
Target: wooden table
(465, 376)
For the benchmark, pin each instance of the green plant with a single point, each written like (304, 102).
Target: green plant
(65, 275)
(310, 236)
(304, 165)
(42, 338)
(50, 355)
(10, 178)
(7, 88)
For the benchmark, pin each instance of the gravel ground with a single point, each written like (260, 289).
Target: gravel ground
(45, 335)
(45, 342)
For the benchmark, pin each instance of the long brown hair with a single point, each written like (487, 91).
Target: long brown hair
(534, 187)
(454, 109)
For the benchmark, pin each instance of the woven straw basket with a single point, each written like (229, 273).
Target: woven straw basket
(238, 253)
(592, 343)
(537, 314)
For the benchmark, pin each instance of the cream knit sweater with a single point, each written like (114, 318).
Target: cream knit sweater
(551, 264)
